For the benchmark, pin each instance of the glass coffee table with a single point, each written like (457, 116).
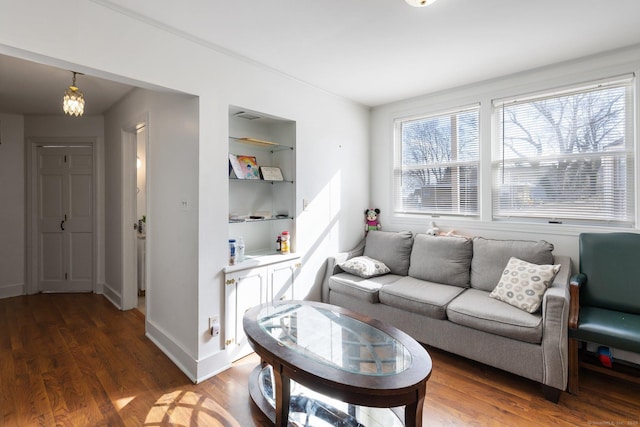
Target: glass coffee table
(326, 365)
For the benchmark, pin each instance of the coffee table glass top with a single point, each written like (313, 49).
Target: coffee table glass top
(334, 339)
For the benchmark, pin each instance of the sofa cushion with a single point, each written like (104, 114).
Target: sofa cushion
(475, 309)
(419, 296)
(391, 248)
(442, 259)
(523, 284)
(364, 266)
(491, 256)
(366, 289)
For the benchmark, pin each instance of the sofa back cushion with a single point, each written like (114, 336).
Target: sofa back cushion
(391, 248)
(490, 257)
(445, 260)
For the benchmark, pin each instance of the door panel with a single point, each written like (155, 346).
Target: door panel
(65, 196)
(51, 196)
(80, 187)
(81, 257)
(51, 265)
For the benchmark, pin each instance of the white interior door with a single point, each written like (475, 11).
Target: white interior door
(65, 219)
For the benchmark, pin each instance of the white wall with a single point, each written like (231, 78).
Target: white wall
(172, 233)
(332, 157)
(12, 200)
(564, 237)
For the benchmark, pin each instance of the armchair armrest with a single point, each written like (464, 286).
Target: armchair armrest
(576, 283)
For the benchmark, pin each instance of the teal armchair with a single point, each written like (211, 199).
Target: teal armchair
(605, 297)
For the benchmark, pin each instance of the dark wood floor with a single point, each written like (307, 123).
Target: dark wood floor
(75, 360)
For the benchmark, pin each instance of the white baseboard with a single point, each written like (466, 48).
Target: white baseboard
(169, 346)
(12, 290)
(112, 295)
(99, 288)
(212, 365)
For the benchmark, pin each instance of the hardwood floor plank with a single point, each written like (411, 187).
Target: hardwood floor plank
(76, 360)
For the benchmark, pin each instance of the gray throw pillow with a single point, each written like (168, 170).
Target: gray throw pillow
(442, 259)
(490, 256)
(364, 267)
(391, 248)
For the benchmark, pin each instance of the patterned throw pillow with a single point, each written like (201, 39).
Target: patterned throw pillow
(364, 266)
(523, 284)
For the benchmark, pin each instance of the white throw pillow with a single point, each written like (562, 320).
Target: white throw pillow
(523, 284)
(364, 266)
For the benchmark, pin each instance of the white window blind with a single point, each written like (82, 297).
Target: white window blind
(436, 163)
(566, 156)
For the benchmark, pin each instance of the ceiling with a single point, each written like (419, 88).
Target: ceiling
(30, 88)
(370, 51)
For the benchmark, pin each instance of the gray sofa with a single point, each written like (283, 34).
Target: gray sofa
(438, 291)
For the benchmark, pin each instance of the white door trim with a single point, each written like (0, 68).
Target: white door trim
(129, 211)
(31, 211)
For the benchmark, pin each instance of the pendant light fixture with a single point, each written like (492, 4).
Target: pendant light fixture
(73, 101)
(420, 3)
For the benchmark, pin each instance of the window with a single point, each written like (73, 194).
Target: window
(436, 164)
(566, 157)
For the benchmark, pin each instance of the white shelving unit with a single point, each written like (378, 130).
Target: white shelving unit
(272, 142)
(265, 275)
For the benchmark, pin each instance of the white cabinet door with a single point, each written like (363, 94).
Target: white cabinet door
(281, 278)
(244, 289)
(254, 286)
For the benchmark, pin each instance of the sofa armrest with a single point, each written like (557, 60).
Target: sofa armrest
(555, 315)
(555, 303)
(576, 283)
(332, 268)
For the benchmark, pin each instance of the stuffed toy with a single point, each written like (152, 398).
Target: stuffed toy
(605, 357)
(433, 231)
(372, 222)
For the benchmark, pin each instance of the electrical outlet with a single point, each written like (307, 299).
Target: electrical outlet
(214, 326)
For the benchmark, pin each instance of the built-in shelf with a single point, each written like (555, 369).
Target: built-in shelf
(261, 258)
(270, 181)
(250, 220)
(257, 143)
(272, 141)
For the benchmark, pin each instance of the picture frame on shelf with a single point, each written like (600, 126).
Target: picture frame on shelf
(249, 167)
(234, 166)
(271, 173)
(244, 167)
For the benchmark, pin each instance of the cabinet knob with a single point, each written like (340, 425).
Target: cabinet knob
(230, 281)
(229, 342)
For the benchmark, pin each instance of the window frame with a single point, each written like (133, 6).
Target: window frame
(556, 80)
(397, 205)
(630, 152)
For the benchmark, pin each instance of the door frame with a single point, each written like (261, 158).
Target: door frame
(31, 199)
(129, 214)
